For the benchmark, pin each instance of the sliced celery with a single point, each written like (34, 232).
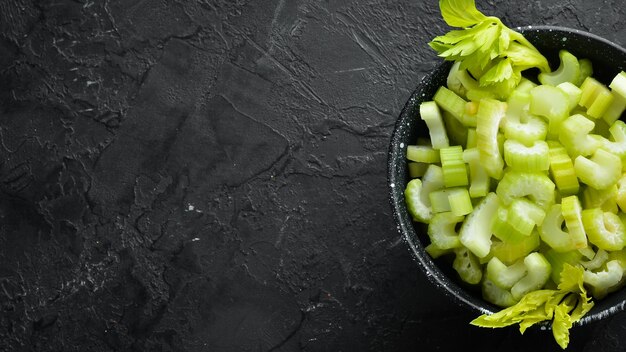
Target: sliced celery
(475, 233)
(496, 295)
(471, 138)
(453, 166)
(467, 266)
(551, 231)
(505, 276)
(441, 230)
(551, 103)
(574, 134)
(558, 259)
(509, 252)
(604, 229)
(523, 212)
(573, 93)
(490, 113)
(601, 282)
(618, 84)
(586, 70)
(615, 110)
(460, 201)
(620, 197)
(593, 198)
(617, 145)
(436, 252)
(432, 181)
(600, 257)
(457, 132)
(526, 129)
(536, 186)
(422, 154)
(600, 104)
(479, 179)
(568, 70)
(439, 202)
(595, 96)
(572, 214)
(601, 171)
(429, 113)
(504, 230)
(450, 102)
(562, 170)
(538, 273)
(459, 80)
(412, 194)
(520, 157)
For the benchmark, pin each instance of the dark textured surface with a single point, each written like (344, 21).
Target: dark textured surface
(211, 176)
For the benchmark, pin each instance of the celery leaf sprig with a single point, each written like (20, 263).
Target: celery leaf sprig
(493, 53)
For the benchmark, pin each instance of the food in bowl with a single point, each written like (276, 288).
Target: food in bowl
(520, 181)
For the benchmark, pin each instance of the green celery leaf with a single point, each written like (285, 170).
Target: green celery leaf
(460, 13)
(524, 57)
(572, 279)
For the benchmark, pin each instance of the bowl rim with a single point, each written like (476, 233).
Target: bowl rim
(448, 286)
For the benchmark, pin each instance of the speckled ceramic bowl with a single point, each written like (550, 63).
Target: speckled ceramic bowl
(608, 60)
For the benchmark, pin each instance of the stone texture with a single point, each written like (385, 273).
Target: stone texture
(210, 175)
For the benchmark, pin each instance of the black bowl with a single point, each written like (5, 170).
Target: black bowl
(608, 60)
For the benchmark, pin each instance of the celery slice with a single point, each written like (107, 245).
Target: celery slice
(432, 181)
(453, 166)
(538, 272)
(417, 169)
(460, 201)
(526, 129)
(422, 154)
(496, 295)
(459, 80)
(475, 233)
(551, 103)
(600, 104)
(620, 197)
(471, 138)
(467, 266)
(536, 186)
(505, 276)
(439, 202)
(572, 214)
(573, 93)
(558, 259)
(450, 102)
(436, 252)
(618, 84)
(600, 257)
(617, 145)
(575, 136)
(505, 231)
(479, 179)
(586, 70)
(457, 132)
(601, 171)
(601, 282)
(441, 230)
(615, 110)
(604, 229)
(552, 234)
(509, 252)
(412, 194)
(562, 170)
(593, 198)
(520, 157)
(568, 70)
(430, 114)
(490, 113)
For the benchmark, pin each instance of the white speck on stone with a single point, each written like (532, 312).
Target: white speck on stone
(392, 185)
(195, 239)
(401, 145)
(190, 207)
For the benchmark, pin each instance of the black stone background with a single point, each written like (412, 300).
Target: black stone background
(210, 175)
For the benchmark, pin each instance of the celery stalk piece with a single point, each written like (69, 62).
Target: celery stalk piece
(615, 110)
(467, 266)
(479, 179)
(418, 210)
(568, 70)
(417, 169)
(505, 231)
(526, 128)
(431, 182)
(590, 88)
(454, 169)
(439, 202)
(450, 102)
(551, 103)
(422, 154)
(601, 171)
(520, 157)
(600, 257)
(496, 295)
(562, 170)
(558, 259)
(587, 252)
(537, 274)
(436, 252)
(574, 134)
(505, 276)
(536, 186)
(601, 103)
(460, 201)
(475, 233)
(552, 234)
(430, 114)
(573, 93)
(618, 84)
(525, 85)
(601, 282)
(441, 230)
(617, 145)
(489, 115)
(457, 132)
(593, 198)
(524, 212)
(480, 93)
(509, 252)
(459, 80)
(586, 70)
(604, 229)
(572, 214)
(620, 197)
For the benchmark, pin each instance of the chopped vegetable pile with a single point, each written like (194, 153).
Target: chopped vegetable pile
(522, 181)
